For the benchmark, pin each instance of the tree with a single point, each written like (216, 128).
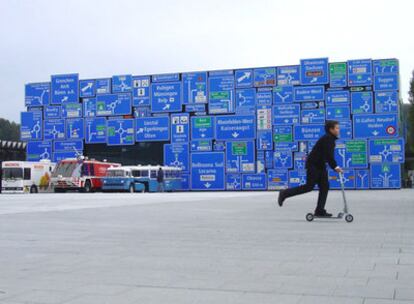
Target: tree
(410, 117)
(9, 130)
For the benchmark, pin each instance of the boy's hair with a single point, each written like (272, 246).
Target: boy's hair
(329, 124)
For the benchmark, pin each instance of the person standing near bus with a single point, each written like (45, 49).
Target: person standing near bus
(160, 180)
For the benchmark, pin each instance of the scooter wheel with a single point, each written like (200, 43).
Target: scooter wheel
(309, 217)
(340, 215)
(349, 218)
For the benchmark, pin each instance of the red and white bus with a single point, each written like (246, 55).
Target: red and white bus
(79, 174)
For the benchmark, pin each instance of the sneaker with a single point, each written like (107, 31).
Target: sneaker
(281, 198)
(322, 213)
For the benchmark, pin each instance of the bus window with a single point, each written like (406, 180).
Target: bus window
(153, 174)
(136, 173)
(27, 174)
(144, 173)
(12, 173)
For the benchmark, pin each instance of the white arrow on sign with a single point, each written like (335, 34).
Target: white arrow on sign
(244, 76)
(235, 134)
(87, 87)
(140, 130)
(207, 185)
(314, 79)
(203, 135)
(65, 98)
(167, 106)
(375, 132)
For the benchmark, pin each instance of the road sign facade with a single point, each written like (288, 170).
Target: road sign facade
(95, 130)
(288, 75)
(180, 128)
(314, 71)
(240, 157)
(38, 150)
(177, 155)
(235, 127)
(120, 132)
(87, 88)
(308, 93)
(337, 74)
(386, 102)
(31, 126)
(221, 94)
(152, 129)
(233, 182)
(352, 153)
(360, 72)
(254, 181)
(74, 128)
(207, 171)
(64, 88)
(202, 127)
(166, 97)
(386, 150)
(195, 87)
(264, 77)
(54, 129)
(141, 91)
(113, 104)
(385, 175)
(375, 125)
(37, 94)
(121, 83)
(286, 114)
(308, 132)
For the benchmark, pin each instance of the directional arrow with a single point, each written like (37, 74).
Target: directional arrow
(167, 106)
(235, 134)
(207, 185)
(314, 79)
(375, 132)
(65, 98)
(140, 130)
(203, 135)
(87, 87)
(244, 76)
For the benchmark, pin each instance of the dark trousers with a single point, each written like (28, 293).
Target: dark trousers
(314, 176)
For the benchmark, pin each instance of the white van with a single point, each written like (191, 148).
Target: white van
(26, 176)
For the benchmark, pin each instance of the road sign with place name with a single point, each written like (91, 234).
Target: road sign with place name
(121, 83)
(52, 112)
(58, 156)
(168, 77)
(312, 116)
(64, 88)
(264, 97)
(177, 155)
(95, 130)
(113, 104)
(202, 127)
(74, 128)
(152, 128)
(244, 78)
(89, 107)
(299, 160)
(235, 127)
(282, 134)
(103, 86)
(345, 129)
(180, 127)
(264, 77)
(141, 91)
(264, 140)
(277, 179)
(334, 98)
(286, 114)
(194, 87)
(283, 94)
(360, 72)
(314, 71)
(386, 150)
(201, 145)
(386, 102)
(288, 75)
(291, 146)
(361, 179)
(120, 132)
(254, 181)
(166, 97)
(385, 66)
(240, 157)
(375, 125)
(352, 153)
(308, 93)
(54, 129)
(72, 110)
(233, 181)
(68, 145)
(386, 82)
(308, 132)
(87, 88)
(338, 112)
(283, 159)
(362, 102)
(348, 178)
(337, 75)
(297, 178)
(37, 94)
(195, 107)
(38, 150)
(207, 171)
(221, 94)
(385, 175)
(245, 101)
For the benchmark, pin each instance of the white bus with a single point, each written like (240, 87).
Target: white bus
(26, 176)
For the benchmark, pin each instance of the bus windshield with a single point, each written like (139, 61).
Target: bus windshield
(12, 173)
(115, 173)
(67, 169)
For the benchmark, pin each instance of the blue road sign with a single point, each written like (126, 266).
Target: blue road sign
(362, 179)
(177, 155)
(171, 77)
(221, 94)
(95, 130)
(283, 94)
(74, 128)
(142, 112)
(166, 97)
(297, 178)
(103, 86)
(72, 110)
(264, 77)
(194, 87)
(345, 129)
(240, 157)
(308, 93)
(219, 146)
(244, 78)
(277, 179)
(64, 88)
(269, 159)
(362, 102)
(385, 66)
(375, 125)
(282, 134)
(348, 179)
(141, 91)
(386, 150)
(264, 140)
(207, 171)
(54, 129)
(286, 114)
(314, 71)
(113, 104)
(233, 182)
(58, 156)
(195, 108)
(180, 127)
(201, 145)
(37, 150)
(152, 128)
(288, 75)
(68, 146)
(235, 127)
(337, 75)
(308, 132)
(260, 162)
(37, 94)
(338, 112)
(385, 175)
(185, 181)
(220, 73)
(352, 153)
(312, 105)
(120, 132)
(202, 127)
(254, 181)
(312, 116)
(264, 97)
(360, 72)
(283, 159)
(386, 82)
(299, 160)
(386, 102)
(51, 112)
(121, 83)
(87, 88)
(264, 118)
(245, 101)
(31, 127)
(89, 107)
(291, 146)
(334, 98)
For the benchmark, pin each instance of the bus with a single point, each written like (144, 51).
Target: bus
(80, 174)
(141, 179)
(26, 176)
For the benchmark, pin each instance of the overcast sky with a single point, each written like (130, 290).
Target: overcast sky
(98, 38)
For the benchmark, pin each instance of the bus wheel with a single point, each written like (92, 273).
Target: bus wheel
(131, 188)
(88, 187)
(33, 189)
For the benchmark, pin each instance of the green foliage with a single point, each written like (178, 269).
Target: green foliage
(9, 130)
(410, 117)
